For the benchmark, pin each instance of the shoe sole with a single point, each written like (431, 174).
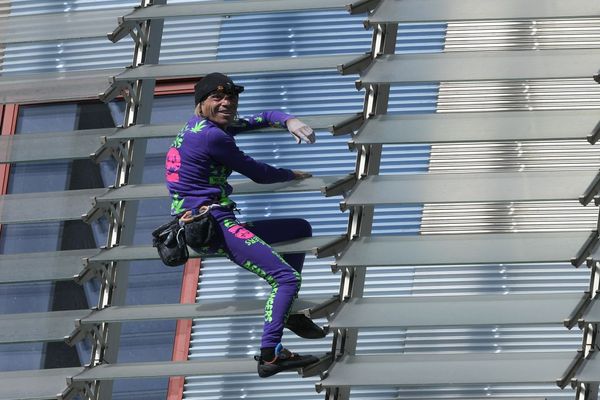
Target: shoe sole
(266, 370)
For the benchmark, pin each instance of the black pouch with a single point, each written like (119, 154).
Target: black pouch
(169, 240)
(202, 231)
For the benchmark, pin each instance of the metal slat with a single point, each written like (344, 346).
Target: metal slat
(475, 187)
(35, 384)
(193, 70)
(46, 266)
(592, 314)
(220, 366)
(589, 372)
(139, 192)
(393, 11)
(55, 86)
(462, 249)
(82, 144)
(74, 204)
(208, 309)
(38, 327)
(447, 369)
(473, 66)
(65, 265)
(46, 207)
(476, 127)
(50, 147)
(317, 122)
(216, 8)
(126, 253)
(438, 311)
(60, 26)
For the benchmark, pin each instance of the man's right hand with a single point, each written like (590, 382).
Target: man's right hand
(301, 174)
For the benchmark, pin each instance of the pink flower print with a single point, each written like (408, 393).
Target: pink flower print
(172, 165)
(240, 232)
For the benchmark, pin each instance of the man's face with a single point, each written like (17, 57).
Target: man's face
(220, 108)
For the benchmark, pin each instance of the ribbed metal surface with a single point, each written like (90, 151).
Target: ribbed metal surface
(511, 217)
(193, 39)
(32, 7)
(292, 34)
(476, 279)
(494, 217)
(558, 94)
(460, 392)
(521, 35)
(514, 156)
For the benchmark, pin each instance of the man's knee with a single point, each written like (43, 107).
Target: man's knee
(302, 227)
(291, 279)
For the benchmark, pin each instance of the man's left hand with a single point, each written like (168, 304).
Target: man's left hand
(300, 131)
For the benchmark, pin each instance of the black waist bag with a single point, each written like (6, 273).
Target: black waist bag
(202, 231)
(169, 240)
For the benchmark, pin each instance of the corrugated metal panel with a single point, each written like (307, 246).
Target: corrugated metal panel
(292, 34)
(488, 217)
(580, 93)
(522, 35)
(462, 392)
(511, 217)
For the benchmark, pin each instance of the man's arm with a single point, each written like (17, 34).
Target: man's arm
(274, 119)
(224, 150)
(299, 130)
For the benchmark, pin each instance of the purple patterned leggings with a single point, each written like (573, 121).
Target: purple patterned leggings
(247, 245)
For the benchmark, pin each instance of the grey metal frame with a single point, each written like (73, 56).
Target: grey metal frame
(360, 219)
(380, 70)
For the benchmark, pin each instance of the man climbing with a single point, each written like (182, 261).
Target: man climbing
(198, 163)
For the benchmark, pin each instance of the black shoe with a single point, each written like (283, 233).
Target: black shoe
(284, 360)
(304, 327)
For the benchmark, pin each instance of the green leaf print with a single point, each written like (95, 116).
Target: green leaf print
(178, 141)
(177, 205)
(198, 127)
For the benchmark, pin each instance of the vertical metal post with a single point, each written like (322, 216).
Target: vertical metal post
(589, 391)
(361, 218)
(130, 165)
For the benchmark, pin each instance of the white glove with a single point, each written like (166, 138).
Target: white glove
(300, 131)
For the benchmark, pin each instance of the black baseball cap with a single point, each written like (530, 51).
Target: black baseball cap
(215, 82)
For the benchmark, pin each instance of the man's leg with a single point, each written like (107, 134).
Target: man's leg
(252, 253)
(282, 230)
